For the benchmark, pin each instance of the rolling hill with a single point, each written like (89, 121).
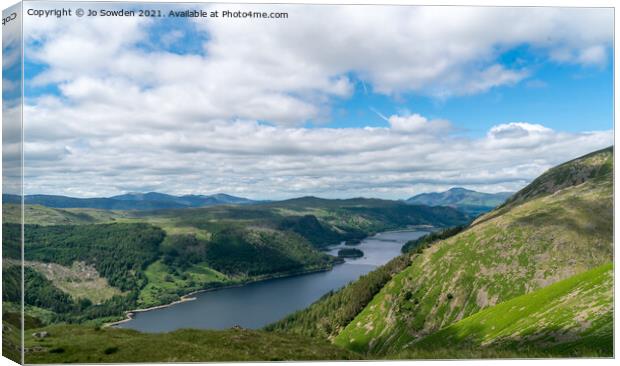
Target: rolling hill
(129, 201)
(559, 226)
(471, 202)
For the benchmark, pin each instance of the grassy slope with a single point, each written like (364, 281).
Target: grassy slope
(11, 341)
(537, 241)
(329, 315)
(81, 344)
(572, 317)
(165, 286)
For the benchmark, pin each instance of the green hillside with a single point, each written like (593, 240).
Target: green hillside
(84, 344)
(595, 167)
(572, 317)
(41, 215)
(547, 236)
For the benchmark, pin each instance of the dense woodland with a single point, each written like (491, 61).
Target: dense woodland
(320, 235)
(119, 252)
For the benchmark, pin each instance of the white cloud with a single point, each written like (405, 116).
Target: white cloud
(517, 130)
(132, 119)
(417, 123)
(595, 55)
(260, 161)
(289, 71)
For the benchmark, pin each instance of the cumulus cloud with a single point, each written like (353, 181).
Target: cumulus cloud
(517, 130)
(417, 123)
(261, 161)
(289, 71)
(230, 118)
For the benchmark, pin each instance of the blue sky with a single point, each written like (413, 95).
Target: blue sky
(348, 107)
(563, 97)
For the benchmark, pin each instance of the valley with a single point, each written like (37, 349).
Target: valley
(155, 257)
(530, 278)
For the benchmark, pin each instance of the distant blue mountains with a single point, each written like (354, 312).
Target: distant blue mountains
(131, 201)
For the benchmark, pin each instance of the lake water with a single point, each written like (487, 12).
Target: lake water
(258, 304)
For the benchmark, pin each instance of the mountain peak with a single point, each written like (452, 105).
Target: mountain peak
(471, 202)
(459, 189)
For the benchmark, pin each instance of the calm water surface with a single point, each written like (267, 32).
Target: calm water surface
(258, 304)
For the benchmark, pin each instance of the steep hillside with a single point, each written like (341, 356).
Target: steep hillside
(471, 202)
(596, 167)
(524, 246)
(572, 317)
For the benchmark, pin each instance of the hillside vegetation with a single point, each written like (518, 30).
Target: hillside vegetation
(541, 237)
(84, 344)
(572, 317)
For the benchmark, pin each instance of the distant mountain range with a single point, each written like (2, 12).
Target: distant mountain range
(468, 201)
(131, 201)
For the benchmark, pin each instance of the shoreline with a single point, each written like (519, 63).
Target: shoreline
(129, 314)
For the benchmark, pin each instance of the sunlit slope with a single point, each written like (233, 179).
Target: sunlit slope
(547, 236)
(572, 317)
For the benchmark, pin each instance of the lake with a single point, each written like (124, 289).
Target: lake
(258, 304)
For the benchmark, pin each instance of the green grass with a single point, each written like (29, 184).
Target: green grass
(569, 315)
(42, 315)
(529, 246)
(595, 167)
(82, 344)
(165, 285)
(11, 340)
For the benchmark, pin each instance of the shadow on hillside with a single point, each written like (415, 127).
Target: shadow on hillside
(599, 214)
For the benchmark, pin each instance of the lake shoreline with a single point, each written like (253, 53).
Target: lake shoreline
(129, 314)
(191, 296)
